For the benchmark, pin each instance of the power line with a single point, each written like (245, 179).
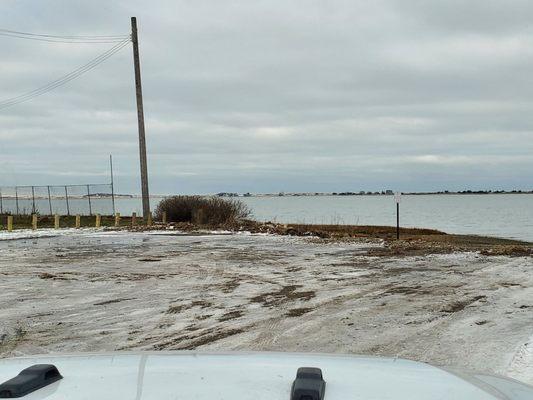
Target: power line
(64, 38)
(64, 79)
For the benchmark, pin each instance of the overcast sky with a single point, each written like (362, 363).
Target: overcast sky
(267, 96)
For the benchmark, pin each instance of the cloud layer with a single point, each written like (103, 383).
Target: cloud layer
(269, 96)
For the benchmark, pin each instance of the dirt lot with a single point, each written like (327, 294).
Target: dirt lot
(68, 291)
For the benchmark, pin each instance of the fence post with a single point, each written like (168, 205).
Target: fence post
(133, 219)
(34, 221)
(33, 199)
(78, 221)
(117, 219)
(49, 200)
(17, 199)
(164, 217)
(9, 223)
(97, 223)
(66, 198)
(56, 221)
(1, 205)
(149, 219)
(89, 198)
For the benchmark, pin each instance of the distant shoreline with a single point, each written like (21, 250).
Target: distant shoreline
(368, 194)
(334, 194)
(287, 194)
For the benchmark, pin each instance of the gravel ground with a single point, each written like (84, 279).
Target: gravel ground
(75, 291)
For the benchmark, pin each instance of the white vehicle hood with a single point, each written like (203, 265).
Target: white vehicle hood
(254, 376)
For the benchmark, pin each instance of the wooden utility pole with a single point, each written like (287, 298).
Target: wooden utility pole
(140, 119)
(112, 183)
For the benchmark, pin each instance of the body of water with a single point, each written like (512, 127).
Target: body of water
(502, 215)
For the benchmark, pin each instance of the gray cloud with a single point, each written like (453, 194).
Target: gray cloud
(270, 95)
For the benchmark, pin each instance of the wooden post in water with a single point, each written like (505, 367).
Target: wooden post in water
(34, 222)
(397, 199)
(97, 222)
(397, 220)
(9, 223)
(56, 221)
(78, 221)
(117, 220)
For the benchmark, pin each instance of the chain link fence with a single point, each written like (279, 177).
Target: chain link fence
(88, 199)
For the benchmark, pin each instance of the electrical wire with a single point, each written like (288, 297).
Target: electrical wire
(63, 41)
(89, 64)
(64, 79)
(64, 38)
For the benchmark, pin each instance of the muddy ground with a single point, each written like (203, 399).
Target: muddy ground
(71, 291)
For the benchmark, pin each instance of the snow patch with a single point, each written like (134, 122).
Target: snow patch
(21, 234)
(521, 366)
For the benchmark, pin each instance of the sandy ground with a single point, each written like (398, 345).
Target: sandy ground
(105, 291)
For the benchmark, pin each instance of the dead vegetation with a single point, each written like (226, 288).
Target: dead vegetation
(457, 306)
(231, 315)
(446, 244)
(103, 303)
(408, 290)
(230, 285)
(413, 241)
(190, 342)
(177, 308)
(287, 293)
(202, 210)
(57, 277)
(511, 251)
(296, 312)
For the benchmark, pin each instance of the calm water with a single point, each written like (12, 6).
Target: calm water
(509, 216)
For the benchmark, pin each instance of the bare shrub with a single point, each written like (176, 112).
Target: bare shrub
(202, 210)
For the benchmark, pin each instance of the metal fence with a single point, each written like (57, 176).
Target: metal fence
(86, 199)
